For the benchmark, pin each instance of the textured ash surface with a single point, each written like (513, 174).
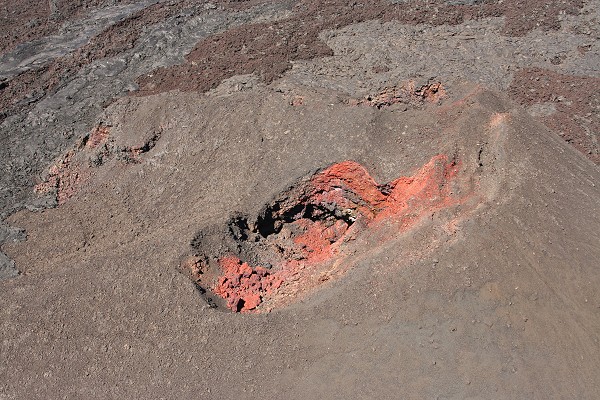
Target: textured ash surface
(497, 302)
(481, 307)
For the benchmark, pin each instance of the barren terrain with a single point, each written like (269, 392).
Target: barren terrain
(300, 199)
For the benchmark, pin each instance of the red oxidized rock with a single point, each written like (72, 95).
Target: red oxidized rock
(336, 197)
(243, 286)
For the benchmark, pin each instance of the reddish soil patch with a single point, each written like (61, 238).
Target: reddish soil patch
(98, 136)
(302, 236)
(65, 177)
(242, 286)
(575, 99)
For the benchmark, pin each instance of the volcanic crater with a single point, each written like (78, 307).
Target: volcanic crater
(296, 243)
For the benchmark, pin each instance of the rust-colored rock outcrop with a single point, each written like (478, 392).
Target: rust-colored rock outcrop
(301, 236)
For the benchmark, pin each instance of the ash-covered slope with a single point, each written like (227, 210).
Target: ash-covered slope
(63, 63)
(495, 296)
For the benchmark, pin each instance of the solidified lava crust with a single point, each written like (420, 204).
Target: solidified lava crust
(297, 241)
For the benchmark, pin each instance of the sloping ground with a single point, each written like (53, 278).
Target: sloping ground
(495, 299)
(367, 211)
(547, 63)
